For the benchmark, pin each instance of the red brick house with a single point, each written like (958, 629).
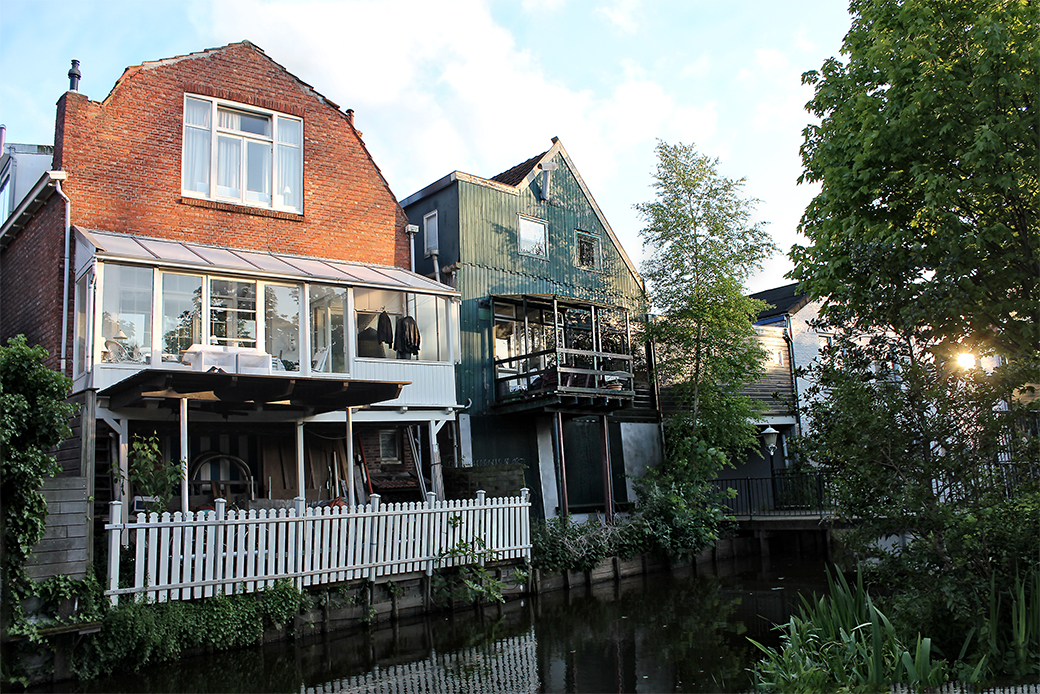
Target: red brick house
(214, 257)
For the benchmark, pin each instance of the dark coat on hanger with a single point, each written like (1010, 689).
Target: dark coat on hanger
(407, 339)
(386, 329)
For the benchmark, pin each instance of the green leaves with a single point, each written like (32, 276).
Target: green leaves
(34, 417)
(701, 248)
(928, 149)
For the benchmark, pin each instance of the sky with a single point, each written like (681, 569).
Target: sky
(479, 86)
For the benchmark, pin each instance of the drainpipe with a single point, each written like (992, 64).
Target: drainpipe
(411, 230)
(794, 376)
(65, 271)
(436, 266)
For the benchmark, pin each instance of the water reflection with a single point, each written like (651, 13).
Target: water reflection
(682, 632)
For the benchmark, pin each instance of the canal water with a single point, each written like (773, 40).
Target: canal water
(681, 632)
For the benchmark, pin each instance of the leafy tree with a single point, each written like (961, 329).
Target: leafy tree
(34, 417)
(928, 153)
(917, 449)
(702, 248)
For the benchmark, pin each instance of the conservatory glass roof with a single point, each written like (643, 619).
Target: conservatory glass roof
(138, 249)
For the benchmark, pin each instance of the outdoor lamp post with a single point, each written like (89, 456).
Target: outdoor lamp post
(769, 439)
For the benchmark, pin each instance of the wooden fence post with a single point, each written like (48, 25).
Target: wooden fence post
(115, 509)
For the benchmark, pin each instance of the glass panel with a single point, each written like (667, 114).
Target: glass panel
(588, 251)
(288, 185)
(290, 132)
(166, 250)
(258, 172)
(197, 112)
(229, 165)
(232, 319)
(196, 160)
(82, 300)
(282, 305)
(244, 122)
(532, 237)
(181, 315)
(378, 314)
(126, 314)
(328, 328)
(425, 312)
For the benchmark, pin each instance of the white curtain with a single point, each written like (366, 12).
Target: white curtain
(290, 162)
(229, 167)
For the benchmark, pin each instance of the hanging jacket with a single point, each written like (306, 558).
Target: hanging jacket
(386, 329)
(407, 339)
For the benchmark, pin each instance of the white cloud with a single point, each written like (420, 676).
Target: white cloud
(623, 14)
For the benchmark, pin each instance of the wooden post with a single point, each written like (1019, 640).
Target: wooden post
(115, 510)
(184, 454)
(563, 464)
(608, 483)
(300, 474)
(351, 493)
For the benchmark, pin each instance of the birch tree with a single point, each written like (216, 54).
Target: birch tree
(702, 247)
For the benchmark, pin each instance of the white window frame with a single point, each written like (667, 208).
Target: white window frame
(431, 234)
(522, 219)
(276, 186)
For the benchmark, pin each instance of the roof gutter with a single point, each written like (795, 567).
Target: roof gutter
(33, 201)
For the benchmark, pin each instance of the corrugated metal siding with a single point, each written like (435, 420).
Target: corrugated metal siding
(446, 202)
(431, 384)
(491, 263)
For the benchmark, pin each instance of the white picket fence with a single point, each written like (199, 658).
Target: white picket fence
(194, 555)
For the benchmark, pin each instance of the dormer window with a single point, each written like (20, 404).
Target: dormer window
(239, 154)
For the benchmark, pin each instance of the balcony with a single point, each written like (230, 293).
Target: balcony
(564, 379)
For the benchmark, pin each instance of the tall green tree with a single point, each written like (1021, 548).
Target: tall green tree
(928, 152)
(702, 246)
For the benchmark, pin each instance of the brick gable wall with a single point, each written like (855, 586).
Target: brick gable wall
(123, 158)
(31, 283)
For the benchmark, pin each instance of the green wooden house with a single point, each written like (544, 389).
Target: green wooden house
(553, 370)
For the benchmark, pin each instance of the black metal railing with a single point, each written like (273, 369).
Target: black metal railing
(780, 495)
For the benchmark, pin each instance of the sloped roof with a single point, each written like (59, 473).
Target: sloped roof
(152, 64)
(520, 176)
(515, 175)
(782, 301)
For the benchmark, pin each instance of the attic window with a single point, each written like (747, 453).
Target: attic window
(240, 154)
(533, 238)
(588, 250)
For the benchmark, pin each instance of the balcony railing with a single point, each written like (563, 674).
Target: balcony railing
(564, 372)
(782, 495)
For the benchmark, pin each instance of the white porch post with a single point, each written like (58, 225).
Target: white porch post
(436, 473)
(300, 479)
(184, 454)
(351, 493)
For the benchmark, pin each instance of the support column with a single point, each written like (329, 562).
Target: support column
(608, 482)
(184, 454)
(301, 480)
(436, 473)
(351, 493)
(564, 504)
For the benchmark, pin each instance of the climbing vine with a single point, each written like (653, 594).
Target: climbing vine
(34, 418)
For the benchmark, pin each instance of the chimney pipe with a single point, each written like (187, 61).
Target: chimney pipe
(74, 75)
